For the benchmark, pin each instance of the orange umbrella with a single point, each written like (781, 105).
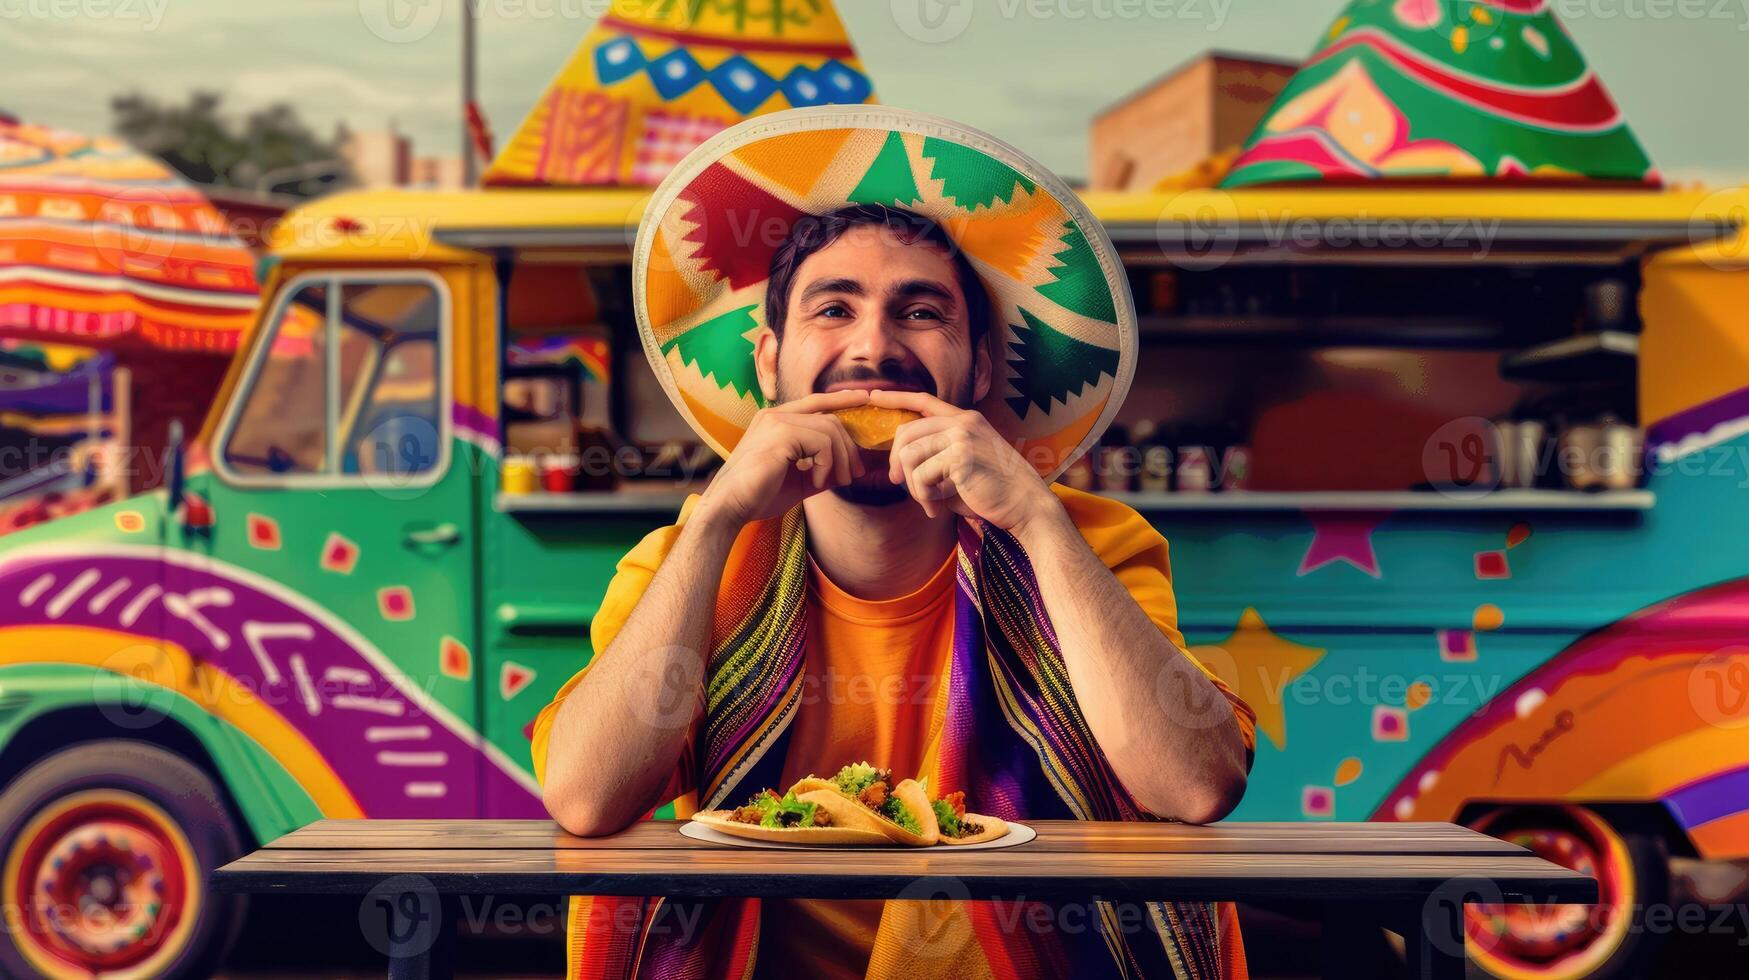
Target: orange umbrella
(101, 245)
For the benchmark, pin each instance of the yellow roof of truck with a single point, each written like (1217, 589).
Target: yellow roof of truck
(391, 225)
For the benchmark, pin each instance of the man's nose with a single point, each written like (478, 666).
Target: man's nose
(876, 340)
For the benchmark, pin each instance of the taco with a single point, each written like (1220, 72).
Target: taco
(873, 427)
(787, 819)
(959, 827)
(864, 797)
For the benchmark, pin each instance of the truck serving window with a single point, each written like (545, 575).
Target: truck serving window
(350, 383)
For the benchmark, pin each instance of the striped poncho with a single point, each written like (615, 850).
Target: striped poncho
(1014, 740)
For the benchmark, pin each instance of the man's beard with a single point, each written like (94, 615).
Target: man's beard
(873, 489)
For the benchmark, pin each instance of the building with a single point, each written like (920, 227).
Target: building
(1186, 116)
(378, 158)
(438, 173)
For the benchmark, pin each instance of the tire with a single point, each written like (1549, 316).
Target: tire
(1611, 941)
(107, 847)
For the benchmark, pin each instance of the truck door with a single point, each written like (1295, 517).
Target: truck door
(340, 586)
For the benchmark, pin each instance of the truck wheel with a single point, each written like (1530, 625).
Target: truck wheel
(1565, 942)
(107, 849)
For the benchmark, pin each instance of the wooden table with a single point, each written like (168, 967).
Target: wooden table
(1412, 878)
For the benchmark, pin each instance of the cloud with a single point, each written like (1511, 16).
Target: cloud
(336, 89)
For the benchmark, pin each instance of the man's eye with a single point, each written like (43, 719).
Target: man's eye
(920, 313)
(836, 311)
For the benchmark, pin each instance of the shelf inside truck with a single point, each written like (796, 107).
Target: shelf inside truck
(621, 502)
(1408, 500)
(667, 503)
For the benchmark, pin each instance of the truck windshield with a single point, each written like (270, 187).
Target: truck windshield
(349, 382)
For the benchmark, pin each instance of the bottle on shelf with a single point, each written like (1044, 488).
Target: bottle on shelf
(1115, 465)
(1154, 458)
(1195, 471)
(1235, 468)
(598, 455)
(559, 473)
(518, 475)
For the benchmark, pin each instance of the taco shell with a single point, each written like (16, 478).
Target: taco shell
(810, 784)
(722, 820)
(994, 829)
(872, 426)
(850, 813)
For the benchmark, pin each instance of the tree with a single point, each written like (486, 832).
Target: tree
(198, 141)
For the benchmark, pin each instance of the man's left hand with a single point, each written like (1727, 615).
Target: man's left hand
(953, 458)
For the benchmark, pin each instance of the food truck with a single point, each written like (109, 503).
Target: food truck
(1453, 479)
(342, 611)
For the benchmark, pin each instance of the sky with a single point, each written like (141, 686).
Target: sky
(1033, 72)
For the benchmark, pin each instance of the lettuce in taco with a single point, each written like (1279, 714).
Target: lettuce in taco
(862, 796)
(790, 818)
(959, 827)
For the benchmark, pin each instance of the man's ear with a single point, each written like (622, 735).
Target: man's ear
(981, 369)
(765, 363)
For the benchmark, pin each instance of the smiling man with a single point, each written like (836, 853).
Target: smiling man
(937, 608)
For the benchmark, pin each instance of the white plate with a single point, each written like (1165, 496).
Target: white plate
(1018, 833)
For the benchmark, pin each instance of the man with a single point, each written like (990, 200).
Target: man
(899, 567)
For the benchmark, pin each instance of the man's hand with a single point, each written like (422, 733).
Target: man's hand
(789, 453)
(953, 458)
(1185, 765)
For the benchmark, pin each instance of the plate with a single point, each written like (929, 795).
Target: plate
(1018, 833)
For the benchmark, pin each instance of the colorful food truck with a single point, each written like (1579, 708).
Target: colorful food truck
(1453, 476)
(340, 610)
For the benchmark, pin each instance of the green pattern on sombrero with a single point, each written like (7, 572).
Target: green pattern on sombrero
(719, 348)
(1049, 365)
(971, 179)
(889, 179)
(1079, 285)
(1418, 89)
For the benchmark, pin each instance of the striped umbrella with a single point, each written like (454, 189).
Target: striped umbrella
(101, 245)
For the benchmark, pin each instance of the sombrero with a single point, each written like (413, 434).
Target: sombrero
(1063, 332)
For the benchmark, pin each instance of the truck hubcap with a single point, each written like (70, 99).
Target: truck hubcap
(101, 884)
(1556, 941)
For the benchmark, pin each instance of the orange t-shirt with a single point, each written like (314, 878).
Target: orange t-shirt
(874, 689)
(871, 691)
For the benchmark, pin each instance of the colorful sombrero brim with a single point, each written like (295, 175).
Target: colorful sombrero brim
(1063, 341)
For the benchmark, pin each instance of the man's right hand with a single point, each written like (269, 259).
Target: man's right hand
(789, 453)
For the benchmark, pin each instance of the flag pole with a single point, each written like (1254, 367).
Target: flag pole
(470, 159)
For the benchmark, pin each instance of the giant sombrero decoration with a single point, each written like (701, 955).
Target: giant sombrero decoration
(1063, 340)
(1444, 89)
(655, 78)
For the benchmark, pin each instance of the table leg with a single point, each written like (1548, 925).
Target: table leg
(1352, 942)
(1435, 944)
(421, 935)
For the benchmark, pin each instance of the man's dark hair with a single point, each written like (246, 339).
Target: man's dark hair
(816, 231)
